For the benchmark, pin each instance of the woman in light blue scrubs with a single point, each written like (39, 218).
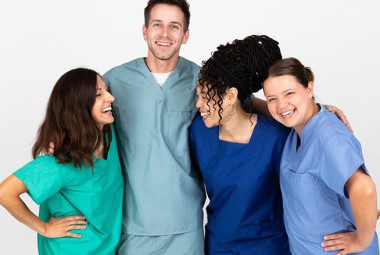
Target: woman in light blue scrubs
(329, 198)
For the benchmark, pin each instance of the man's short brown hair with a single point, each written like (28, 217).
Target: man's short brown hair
(182, 4)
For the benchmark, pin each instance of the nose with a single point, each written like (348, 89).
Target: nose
(164, 31)
(282, 103)
(199, 103)
(109, 97)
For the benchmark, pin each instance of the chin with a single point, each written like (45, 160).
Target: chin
(210, 124)
(105, 122)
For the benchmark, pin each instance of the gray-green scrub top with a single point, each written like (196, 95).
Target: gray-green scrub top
(64, 190)
(164, 193)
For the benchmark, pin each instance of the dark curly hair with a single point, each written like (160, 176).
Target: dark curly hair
(242, 64)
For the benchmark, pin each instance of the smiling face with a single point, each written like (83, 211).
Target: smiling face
(209, 109)
(165, 33)
(102, 110)
(289, 102)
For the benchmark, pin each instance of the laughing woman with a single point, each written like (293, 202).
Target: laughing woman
(238, 152)
(329, 198)
(79, 187)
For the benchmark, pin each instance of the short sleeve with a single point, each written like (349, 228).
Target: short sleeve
(341, 157)
(42, 178)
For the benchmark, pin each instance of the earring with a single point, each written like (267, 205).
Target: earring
(232, 112)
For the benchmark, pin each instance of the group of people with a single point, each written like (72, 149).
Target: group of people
(123, 162)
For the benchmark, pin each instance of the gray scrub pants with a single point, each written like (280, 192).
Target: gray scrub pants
(189, 243)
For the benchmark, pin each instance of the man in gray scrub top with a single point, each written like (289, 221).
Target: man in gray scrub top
(154, 106)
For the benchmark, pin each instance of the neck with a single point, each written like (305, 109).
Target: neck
(99, 151)
(238, 128)
(156, 65)
(312, 111)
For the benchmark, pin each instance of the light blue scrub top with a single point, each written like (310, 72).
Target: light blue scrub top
(164, 194)
(312, 183)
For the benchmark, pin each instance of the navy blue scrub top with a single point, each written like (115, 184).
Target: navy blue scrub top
(245, 213)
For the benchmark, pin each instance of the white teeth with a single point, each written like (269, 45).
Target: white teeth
(163, 44)
(205, 114)
(107, 109)
(287, 113)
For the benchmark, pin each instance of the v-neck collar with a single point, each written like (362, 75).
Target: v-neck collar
(170, 81)
(254, 133)
(307, 130)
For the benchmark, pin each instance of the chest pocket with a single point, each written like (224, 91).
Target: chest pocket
(177, 129)
(302, 191)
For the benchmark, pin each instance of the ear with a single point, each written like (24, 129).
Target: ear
(232, 95)
(186, 36)
(144, 31)
(310, 89)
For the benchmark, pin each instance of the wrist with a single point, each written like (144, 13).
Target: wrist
(42, 229)
(362, 241)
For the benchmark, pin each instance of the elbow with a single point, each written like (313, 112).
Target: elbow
(2, 195)
(369, 191)
(363, 189)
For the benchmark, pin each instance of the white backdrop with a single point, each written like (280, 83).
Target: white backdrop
(40, 40)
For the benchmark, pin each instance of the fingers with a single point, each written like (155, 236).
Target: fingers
(75, 227)
(344, 119)
(334, 236)
(77, 222)
(73, 218)
(335, 247)
(69, 234)
(340, 115)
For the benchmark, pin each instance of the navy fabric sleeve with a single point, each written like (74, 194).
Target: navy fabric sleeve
(42, 178)
(193, 146)
(341, 157)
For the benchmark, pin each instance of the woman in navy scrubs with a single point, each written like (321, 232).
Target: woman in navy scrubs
(239, 152)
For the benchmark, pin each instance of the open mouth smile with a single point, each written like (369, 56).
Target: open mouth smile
(287, 114)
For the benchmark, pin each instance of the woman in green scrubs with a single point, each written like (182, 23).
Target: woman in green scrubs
(79, 186)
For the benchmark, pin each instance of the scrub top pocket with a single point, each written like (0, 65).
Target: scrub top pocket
(302, 191)
(177, 130)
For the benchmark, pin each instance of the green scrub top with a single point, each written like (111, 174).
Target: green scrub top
(63, 190)
(164, 194)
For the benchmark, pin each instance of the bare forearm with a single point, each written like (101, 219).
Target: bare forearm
(363, 201)
(22, 213)
(260, 107)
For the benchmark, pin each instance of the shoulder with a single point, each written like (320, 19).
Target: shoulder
(39, 167)
(122, 69)
(330, 127)
(273, 128)
(332, 133)
(46, 161)
(189, 66)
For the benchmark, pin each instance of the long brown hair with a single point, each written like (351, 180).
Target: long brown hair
(68, 122)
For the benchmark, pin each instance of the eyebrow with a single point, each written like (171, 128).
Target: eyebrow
(171, 22)
(176, 23)
(288, 90)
